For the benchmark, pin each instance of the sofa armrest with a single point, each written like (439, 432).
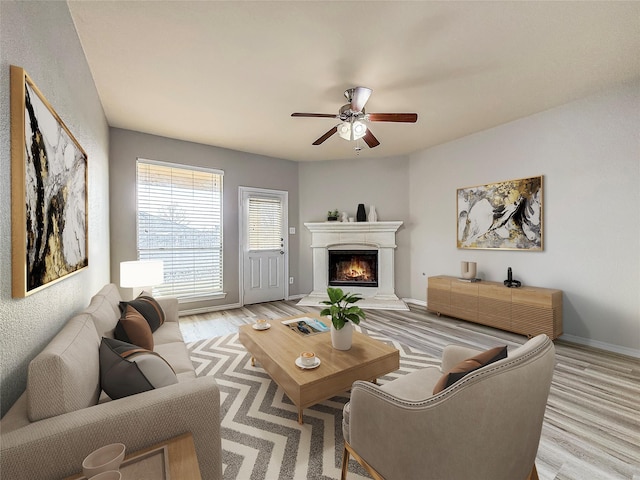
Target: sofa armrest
(170, 307)
(454, 354)
(55, 447)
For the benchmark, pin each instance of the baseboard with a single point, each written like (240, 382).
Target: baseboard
(213, 308)
(609, 347)
(413, 301)
(296, 297)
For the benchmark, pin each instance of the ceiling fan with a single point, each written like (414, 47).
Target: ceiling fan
(352, 116)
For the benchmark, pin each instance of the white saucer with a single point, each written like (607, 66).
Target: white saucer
(299, 363)
(266, 326)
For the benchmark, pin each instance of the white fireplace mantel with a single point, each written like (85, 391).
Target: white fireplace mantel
(326, 236)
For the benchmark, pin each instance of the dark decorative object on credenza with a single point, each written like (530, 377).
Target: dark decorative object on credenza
(510, 282)
(361, 215)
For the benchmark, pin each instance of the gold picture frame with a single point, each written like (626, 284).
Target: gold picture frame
(49, 231)
(501, 216)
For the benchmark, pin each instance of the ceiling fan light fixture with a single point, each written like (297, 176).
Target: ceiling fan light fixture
(352, 130)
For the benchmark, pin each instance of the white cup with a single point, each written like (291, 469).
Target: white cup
(108, 475)
(308, 359)
(102, 460)
(261, 323)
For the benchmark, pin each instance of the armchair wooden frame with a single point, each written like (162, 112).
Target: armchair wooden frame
(348, 451)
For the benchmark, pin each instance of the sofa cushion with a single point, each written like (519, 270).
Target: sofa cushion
(105, 310)
(139, 319)
(64, 376)
(469, 365)
(127, 369)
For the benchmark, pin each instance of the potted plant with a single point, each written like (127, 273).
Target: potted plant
(332, 216)
(343, 313)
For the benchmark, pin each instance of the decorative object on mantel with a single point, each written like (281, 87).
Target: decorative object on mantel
(510, 282)
(503, 216)
(468, 271)
(49, 203)
(361, 215)
(344, 217)
(373, 216)
(332, 216)
(342, 314)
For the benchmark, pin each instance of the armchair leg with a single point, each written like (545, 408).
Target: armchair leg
(534, 473)
(345, 464)
(348, 450)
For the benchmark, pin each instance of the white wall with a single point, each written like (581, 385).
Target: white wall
(40, 37)
(589, 154)
(343, 185)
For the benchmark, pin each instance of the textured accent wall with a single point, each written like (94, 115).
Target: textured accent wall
(40, 37)
(589, 154)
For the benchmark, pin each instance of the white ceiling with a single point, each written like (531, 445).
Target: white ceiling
(231, 73)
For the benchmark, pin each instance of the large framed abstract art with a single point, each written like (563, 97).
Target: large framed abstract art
(48, 192)
(504, 215)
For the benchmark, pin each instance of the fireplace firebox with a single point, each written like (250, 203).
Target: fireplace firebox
(353, 268)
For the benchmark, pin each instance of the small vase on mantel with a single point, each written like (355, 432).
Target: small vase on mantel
(361, 214)
(373, 216)
(342, 339)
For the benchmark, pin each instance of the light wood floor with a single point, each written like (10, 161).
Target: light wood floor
(592, 422)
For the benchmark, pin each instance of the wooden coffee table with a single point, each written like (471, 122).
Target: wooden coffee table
(278, 347)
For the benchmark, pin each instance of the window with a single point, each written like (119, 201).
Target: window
(265, 224)
(180, 223)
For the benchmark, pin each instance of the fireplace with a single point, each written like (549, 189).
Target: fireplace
(357, 268)
(365, 240)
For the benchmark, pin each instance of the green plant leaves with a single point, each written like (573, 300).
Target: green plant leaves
(340, 309)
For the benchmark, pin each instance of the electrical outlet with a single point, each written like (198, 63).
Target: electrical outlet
(292, 230)
(290, 280)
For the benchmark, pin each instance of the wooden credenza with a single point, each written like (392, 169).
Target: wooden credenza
(526, 310)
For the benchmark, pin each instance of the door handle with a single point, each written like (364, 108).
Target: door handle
(281, 252)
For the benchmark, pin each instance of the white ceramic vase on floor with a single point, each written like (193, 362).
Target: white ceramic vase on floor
(341, 339)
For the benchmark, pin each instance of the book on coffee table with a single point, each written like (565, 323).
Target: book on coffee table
(306, 326)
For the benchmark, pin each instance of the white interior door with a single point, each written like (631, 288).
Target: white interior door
(264, 245)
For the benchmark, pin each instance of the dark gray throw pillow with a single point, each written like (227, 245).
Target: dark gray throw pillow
(127, 369)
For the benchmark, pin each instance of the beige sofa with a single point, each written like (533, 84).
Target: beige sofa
(63, 415)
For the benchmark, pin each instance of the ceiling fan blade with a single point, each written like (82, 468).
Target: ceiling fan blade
(370, 139)
(393, 117)
(326, 135)
(359, 98)
(315, 115)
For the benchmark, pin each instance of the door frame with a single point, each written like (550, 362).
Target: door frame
(241, 234)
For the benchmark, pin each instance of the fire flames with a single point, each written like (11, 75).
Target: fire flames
(354, 270)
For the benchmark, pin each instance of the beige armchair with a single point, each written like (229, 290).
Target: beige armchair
(485, 426)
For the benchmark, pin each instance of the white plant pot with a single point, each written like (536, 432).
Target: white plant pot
(341, 339)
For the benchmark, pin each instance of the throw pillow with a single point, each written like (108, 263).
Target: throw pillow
(139, 318)
(469, 365)
(127, 369)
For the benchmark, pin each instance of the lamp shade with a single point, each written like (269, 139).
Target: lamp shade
(141, 273)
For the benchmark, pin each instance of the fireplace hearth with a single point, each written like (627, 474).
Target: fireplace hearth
(353, 268)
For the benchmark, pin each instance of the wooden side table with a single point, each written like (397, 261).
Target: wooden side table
(181, 458)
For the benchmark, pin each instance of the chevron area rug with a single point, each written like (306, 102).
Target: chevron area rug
(261, 437)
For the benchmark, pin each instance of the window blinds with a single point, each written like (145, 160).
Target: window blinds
(180, 223)
(265, 223)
